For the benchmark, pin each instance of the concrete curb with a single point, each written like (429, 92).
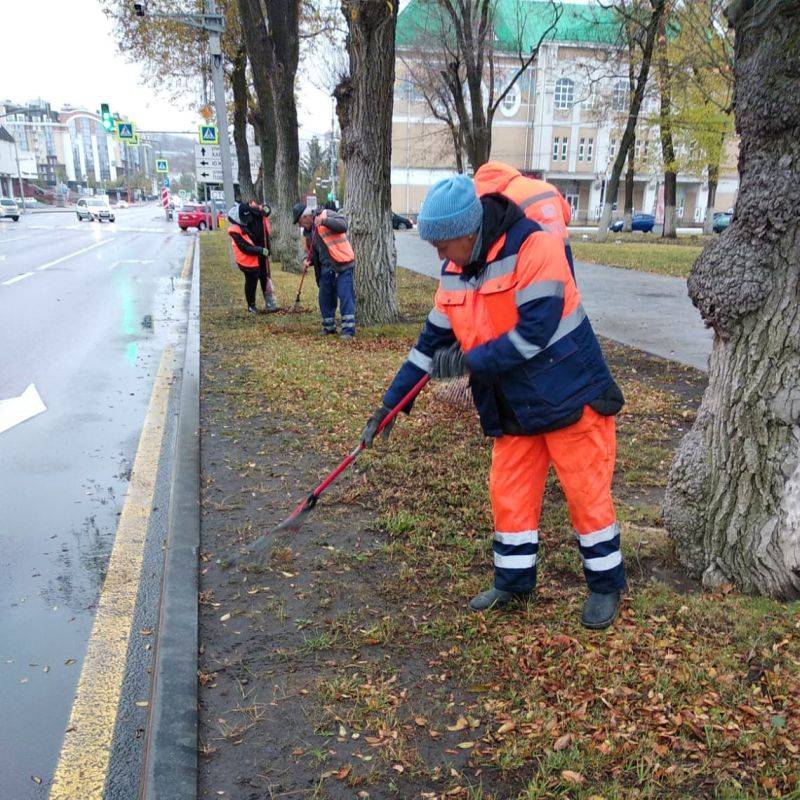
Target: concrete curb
(170, 771)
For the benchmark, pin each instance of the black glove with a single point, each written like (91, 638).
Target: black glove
(371, 428)
(449, 362)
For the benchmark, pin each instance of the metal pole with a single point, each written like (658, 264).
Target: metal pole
(19, 175)
(221, 110)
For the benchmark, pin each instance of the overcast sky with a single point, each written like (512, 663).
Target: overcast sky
(64, 52)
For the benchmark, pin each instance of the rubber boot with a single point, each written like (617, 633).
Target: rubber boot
(600, 610)
(270, 303)
(496, 598)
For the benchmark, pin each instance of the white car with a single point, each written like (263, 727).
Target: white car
(122, 204)
(8, 208)
(94, 208)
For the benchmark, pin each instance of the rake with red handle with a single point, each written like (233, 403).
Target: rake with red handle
(296, 306)
(296, 518)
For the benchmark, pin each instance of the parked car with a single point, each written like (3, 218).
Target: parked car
(123, 204)
(94, 208)
(722, 219)
(640, 222)
(401, 223)
(8, 208)
(193, 215)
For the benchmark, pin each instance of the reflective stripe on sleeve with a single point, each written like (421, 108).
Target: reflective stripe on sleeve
(568, 324)
(535, 198)
(522, 345)
(538, 290)
(439, 319)
(420, 360)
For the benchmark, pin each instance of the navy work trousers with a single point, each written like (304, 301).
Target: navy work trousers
(337, 286)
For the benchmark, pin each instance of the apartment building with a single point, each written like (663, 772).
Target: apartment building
(68, 148)
(561, 120)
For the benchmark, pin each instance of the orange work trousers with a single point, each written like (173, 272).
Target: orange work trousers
(583, 455)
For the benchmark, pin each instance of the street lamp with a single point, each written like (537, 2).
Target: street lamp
(214, 24)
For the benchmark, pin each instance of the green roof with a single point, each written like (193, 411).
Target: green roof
(578, 23)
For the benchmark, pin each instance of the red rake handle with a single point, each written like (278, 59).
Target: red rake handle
(348, 460)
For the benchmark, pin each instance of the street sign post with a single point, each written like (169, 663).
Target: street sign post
(208, 134)
(162, 165)
(208, 163)
(166, 183)
(217, 194)
(125, 130)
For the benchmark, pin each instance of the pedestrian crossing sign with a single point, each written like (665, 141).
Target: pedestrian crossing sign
(209, 134)
(161, 165)
(125, 130)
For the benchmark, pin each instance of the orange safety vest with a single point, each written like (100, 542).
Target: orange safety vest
(539, 200)
(339, 247)
(246, 260)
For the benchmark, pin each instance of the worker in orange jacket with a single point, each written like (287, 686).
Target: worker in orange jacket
(538, 199)
(248, 227)
(509, 313)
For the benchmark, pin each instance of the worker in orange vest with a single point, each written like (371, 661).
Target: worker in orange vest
(509, 313)
(331, 254)
(250, 239)
(538, 199)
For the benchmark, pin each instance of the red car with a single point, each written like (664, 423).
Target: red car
(196, 216)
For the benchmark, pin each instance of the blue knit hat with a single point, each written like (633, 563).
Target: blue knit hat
(450, 210)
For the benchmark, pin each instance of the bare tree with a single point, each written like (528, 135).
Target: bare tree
(364, 108)
(733, 496)
(240, 102)
(453, 64)
(648, 21)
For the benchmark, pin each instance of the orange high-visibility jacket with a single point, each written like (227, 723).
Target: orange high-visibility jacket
(539, 200)
(245, 260)
(530, 348)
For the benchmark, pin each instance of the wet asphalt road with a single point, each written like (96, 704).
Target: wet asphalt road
(650, 312)
(88, 331)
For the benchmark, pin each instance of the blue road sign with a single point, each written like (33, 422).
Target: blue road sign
(162, 165)
(209, 134)
(166, 183)
(125, 130)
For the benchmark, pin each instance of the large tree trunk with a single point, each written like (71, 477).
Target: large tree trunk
(733, 496)
(283, 51)
(633, 115)
(264, 129)
(627, 224)
(239, 83)
(364, 108)
(713, 178)
(273, 60)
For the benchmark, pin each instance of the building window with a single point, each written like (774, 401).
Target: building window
(581, 148)
(619, 95)
(564, 142)
(590, 150)
(565, 93)
(646, 145)
(612, 149)
(555, 148)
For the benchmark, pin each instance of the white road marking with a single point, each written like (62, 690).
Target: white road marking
(72, 255)
(132, 261)
(18, 278)
(16, 239)
(18, 409)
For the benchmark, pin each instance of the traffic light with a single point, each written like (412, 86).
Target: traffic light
(108, 120)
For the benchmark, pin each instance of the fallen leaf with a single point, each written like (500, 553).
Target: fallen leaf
(342, 731)
(506, 727)
(466, 745)
(225, 617)
(343, 772)
(298, 751)
(562, 742)
(36, 779)
(421, 721)
(398, 768)
(142, 703)
(69, 661)
(572, 777)
(461, 723)
(145, 631)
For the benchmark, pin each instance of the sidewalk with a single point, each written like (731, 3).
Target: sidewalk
(650, 312)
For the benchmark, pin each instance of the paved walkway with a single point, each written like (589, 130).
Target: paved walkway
(650, 312)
